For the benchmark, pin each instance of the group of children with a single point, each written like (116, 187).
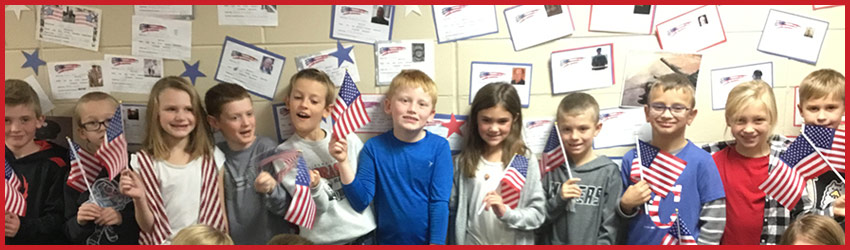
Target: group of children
(404, 186)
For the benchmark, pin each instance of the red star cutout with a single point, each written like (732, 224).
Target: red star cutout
(453, 126)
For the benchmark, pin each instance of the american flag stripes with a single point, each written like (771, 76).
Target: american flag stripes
(784, 183)
(451, 10)
(553, 154)
(84, 168)
(678, 234)
(302, 209)
(513, 181)
(830, 143)
(15, 201)
(661, 168)
(349, 113)
(113, 152)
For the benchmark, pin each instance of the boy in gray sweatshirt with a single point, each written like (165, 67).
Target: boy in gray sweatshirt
(581, 210)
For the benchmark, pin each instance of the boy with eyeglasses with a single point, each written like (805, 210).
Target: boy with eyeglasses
(697, 201)
(86, 221)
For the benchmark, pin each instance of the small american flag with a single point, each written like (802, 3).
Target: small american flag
(786, 25)
(830, 143)
(302, 210)
(51, 13)
(89, 19)
(785, 183)
(65, 67)
(571, 61)
(453, 9)
(488, 75)
(349, 113)
(15, 201)
(151, 27)
(352, 11)
(661, 168)
(553, 156)
(84, 168)
(678, 234)
(113, 151)
(514, 180)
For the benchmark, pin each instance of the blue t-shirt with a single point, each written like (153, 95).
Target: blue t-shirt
(410, 183)
(700, 183)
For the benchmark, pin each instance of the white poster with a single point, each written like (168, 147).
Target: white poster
(129, 74)
(393, 57)
(283, 122)
(536, 133)
(451, 127)
(71, 80)
(69, 25)
(693, 31)
(46, 104)
(256, 69)
(181, 12)
(530, 25)
(161, 38)
(459, 22)
(636, 19)
(793, 36)
(724, 79)
(582, 68)
(517, 74)
(381, 122)
(247, 15)
(362, 23)
(330, 65)
(134, 116)
(619, 127)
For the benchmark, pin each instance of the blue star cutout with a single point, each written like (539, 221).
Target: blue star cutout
(192, 71)
(33, 61)
(342, 54)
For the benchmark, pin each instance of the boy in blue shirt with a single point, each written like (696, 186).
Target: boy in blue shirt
(407, 171)
(697, 194)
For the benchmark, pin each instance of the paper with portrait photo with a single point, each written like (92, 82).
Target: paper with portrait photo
(362, 23)
(530, 25)
(283, 122)
(380, 121)
(536, 133)
(46, 104)
(330, 65)
(693, 31)
(449, 126)
(637, 19)
(256, 69)
(155, 37)
(793, 36)
(70, 25)
(619, 127)
(179, 12)
(134, 116)
(582, 68)
(130, 74)
(642, 67)
(516, 74)
(459, 22)
(391, 57)
(247, 15)
(71, 80)
(724, 79)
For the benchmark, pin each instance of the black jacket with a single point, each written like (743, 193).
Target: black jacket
(42, 175)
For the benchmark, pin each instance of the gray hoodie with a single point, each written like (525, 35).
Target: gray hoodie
(590, 219)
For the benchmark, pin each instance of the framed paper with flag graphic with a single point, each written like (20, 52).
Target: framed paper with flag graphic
(517, 74)
(724, 79)
(391, 57)
(583, 68)
(530, 25)
(156, 37)
(324, 61)
(636, 19)
(460, 22)
(73, 79)
(70, 25)
(793, 36)
(256, 69)
(362, 23)
(693, 31)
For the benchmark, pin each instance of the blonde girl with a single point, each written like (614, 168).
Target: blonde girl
(493, 136)
(175, 181)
